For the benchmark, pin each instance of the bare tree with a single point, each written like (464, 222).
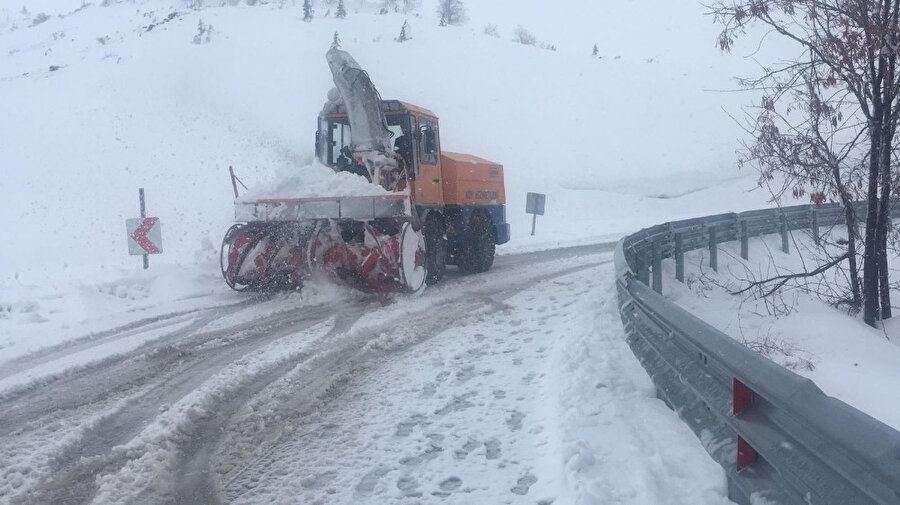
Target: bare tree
(828, 120)
(523, 36)
(451, 12)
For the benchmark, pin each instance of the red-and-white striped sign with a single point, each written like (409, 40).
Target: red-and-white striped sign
(144, 236)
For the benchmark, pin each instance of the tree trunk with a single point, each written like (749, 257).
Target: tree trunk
(888, 61)
(884, 223)
(854, 271)
(870, 290)
(852, 234)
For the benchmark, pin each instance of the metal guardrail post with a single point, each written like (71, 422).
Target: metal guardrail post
(657, 268)
(785, 244)
(679, 257)
(643, 268)
(745, 241)
(814, 220)
(713, 249)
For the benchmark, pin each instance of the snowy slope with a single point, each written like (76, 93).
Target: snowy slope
(130, 108)
(846, 358)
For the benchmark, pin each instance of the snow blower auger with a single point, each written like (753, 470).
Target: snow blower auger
(384, 255)
(428, 209)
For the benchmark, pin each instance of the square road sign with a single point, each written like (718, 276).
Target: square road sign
(534, 203)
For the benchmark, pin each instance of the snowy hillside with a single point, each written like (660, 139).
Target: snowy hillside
(100, 100)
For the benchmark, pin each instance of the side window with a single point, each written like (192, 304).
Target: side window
(428, 135)
(339, 136)
(404, 140)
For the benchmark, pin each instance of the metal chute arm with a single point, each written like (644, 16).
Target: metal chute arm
(363, 103)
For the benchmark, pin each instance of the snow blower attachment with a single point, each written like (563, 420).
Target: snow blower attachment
(426, 209)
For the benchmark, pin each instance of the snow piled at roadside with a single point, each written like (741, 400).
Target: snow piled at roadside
(36, 316)
(619, 443)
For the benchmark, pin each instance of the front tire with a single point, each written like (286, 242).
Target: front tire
(478, 252)
(412, 259)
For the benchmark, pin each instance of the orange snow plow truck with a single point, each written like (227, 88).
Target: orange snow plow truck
(432, 208)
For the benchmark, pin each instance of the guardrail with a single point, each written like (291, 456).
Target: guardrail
(779, 438)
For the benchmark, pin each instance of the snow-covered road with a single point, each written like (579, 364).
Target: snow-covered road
(514, 386)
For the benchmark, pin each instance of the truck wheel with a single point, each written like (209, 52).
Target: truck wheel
(478, 252)
(412, 259)
(435, 251)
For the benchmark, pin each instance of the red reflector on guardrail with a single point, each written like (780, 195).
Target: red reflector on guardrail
(742, 397)
(746, 454)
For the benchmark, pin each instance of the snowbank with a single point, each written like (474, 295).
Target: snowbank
(846, 358)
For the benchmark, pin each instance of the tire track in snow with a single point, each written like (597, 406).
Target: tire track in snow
(362, 352)
(148, 464)
(154, 376)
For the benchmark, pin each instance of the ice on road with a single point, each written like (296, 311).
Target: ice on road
(534, 398)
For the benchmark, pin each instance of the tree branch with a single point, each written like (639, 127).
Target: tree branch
(783, 279)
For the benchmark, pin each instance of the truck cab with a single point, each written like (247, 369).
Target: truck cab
(414, 136)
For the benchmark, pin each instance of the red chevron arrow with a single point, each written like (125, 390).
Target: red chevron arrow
(140, 235)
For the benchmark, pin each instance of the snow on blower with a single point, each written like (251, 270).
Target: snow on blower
(402, 210)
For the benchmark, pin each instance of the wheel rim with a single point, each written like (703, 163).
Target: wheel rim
(223, 254)
(412, 259)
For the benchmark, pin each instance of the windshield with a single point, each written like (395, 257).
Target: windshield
(334, 135)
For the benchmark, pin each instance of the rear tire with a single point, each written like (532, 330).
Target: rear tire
(478, 253)
(435, 251)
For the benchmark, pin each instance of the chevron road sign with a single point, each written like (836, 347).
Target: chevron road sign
(144, 236)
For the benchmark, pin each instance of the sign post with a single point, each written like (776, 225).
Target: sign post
(143, 215)
(534, 205)
(144, 234)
